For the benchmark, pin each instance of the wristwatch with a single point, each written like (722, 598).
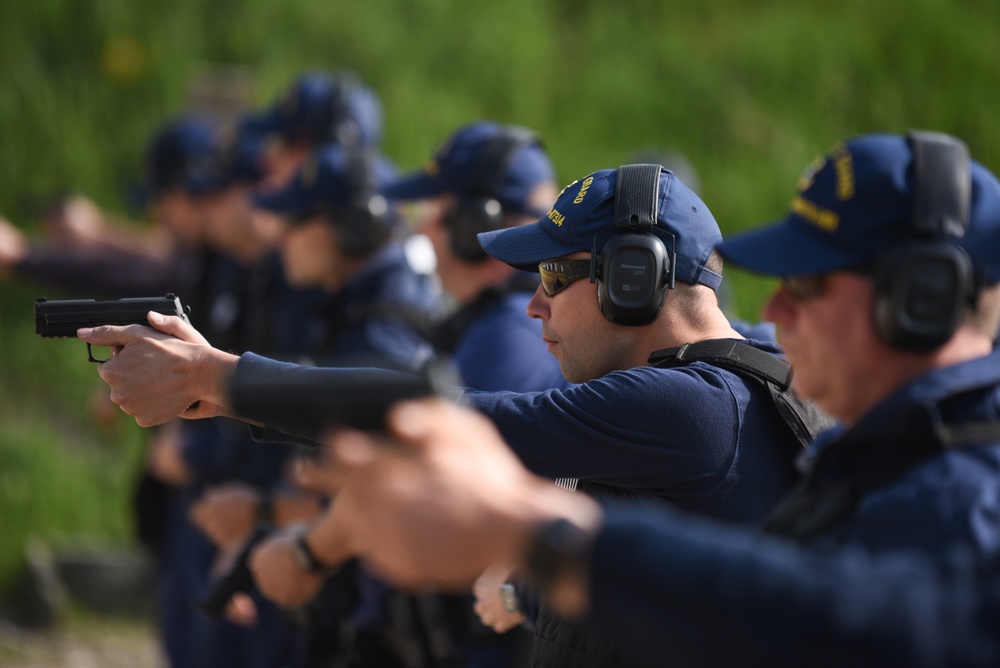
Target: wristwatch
(508, 599)
(557, 547)
(265, 508)
(304, 557)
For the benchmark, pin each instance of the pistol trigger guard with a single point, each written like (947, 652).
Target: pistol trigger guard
(91, 358)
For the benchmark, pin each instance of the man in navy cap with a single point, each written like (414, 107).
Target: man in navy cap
(92, 256)
(485, 176)
(316, 108)
(341, 238)
(888, 308)
(673, 405)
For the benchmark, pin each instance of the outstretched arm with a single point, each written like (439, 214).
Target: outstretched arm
(448, 498)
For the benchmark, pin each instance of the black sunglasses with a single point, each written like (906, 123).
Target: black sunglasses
(803, 287)
(556, 275)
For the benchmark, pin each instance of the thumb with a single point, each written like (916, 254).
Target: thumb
(351, 449)
(175, 326)
(413, 421)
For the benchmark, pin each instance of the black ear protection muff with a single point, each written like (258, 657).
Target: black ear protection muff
(364, 223)
(922, 286)
(341, 127)
(332, 122)
(478, 210)
(636, 268)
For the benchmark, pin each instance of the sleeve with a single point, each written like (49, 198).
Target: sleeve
(388, 337)
(705, 594)
(504, 350)
(948, 499)
(100, 274)
(661, 432)
(298, 426)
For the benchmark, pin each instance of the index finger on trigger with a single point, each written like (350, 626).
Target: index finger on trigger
(113, 335)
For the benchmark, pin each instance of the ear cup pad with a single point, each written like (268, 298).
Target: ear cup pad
(635, 270)
(466, 219)
(920, 294)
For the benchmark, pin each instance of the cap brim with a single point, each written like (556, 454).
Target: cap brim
(523, 247)
(205, 185)
(268, 122)
(787, 248)
(418, 185)
(287, 201)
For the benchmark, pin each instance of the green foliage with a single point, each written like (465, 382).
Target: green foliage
(750, 90)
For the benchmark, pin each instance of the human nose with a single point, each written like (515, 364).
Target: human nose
(780, 308)
(538, 307)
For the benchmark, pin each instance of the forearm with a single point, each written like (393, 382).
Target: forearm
(314, 398)
(670, 583)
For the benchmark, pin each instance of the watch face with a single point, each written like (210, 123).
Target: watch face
(301, 558)
(508, 598)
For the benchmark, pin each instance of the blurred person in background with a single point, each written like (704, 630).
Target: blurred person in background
(486, 176)
(219, 472)
(315, 109)
(84, 255)
(183, 458)
(343, 238)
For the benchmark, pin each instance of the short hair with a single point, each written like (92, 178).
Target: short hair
(714, 262)
(697, 302)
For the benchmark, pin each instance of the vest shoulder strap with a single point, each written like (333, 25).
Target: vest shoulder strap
(732, 354)
(803, 418)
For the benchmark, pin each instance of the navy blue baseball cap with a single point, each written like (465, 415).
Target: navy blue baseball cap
(180, 156)
(982, 240)
(237, 151)
(583, 218)
(855, 204)
(332, 176)
(319, 107)
(460, 167)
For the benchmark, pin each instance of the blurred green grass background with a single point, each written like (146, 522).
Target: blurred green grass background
(749, 90)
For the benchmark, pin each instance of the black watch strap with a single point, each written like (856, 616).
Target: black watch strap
(558, 546)
(265, 507)
(306, 559)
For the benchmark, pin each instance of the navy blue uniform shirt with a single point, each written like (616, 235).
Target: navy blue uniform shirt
(382, 312)
(948, 498)
(689, 592)
(503, 349)
(698, 436)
